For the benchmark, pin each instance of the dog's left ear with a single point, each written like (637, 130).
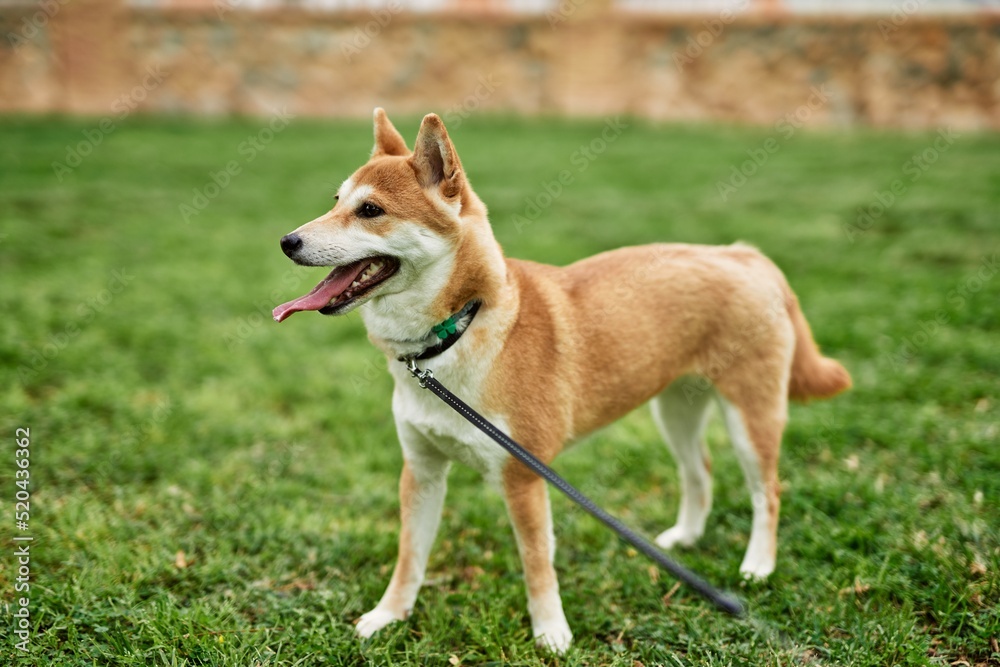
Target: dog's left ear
(435, 160)
(388, 140)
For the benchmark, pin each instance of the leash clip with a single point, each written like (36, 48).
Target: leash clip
(421, 375)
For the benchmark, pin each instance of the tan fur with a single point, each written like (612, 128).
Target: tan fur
(556, 353)
(405, 574)
(407, 200)
(526, 501)
(813, 375)
(597, 338)
(388, 140)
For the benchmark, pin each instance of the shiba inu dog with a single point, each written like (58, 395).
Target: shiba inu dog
(550, 354)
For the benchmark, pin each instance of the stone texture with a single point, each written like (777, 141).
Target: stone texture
(86, 54)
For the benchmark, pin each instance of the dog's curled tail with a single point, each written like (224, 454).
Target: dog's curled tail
(813, 375)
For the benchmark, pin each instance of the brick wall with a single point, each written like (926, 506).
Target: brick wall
(96, 56)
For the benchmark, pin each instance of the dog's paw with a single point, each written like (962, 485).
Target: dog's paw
(554, 636)
(757, 568)
(375, 620)
(676, 536)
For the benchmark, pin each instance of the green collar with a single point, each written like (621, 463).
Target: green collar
(448, 332)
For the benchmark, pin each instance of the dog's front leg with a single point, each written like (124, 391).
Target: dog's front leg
(528, 504)
(422, 488)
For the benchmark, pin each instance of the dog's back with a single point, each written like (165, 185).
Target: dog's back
(611, 331)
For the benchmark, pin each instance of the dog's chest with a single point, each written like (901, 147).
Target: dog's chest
(447, 431)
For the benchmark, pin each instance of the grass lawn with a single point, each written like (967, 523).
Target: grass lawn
(209, 488)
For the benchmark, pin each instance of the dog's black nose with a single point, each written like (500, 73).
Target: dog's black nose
(290, 243)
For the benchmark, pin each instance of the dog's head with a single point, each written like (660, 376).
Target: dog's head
(394, 228)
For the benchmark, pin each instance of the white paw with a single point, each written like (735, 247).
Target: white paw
(678, 535)
(757, 567)
(554, 636)
(375, 620)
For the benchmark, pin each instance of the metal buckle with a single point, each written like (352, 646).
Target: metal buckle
(421, 375)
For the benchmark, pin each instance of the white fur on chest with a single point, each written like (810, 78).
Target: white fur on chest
(443, 428)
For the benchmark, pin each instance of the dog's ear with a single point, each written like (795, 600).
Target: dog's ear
(435, 160)
(388, 140)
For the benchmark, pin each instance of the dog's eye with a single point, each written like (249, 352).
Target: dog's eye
(369, 210)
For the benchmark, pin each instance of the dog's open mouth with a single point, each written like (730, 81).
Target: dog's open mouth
(342, 286)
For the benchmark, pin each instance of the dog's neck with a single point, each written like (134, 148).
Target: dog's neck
(402, 324)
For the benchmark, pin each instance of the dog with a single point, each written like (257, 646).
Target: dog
(551, 354)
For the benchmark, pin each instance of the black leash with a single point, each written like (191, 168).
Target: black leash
(425, 378)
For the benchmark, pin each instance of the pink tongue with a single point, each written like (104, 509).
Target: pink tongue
(331, 287)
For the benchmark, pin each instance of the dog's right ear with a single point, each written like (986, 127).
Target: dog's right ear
(388, 140)
(435, 159)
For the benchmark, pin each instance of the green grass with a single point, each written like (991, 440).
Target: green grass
(168, 414)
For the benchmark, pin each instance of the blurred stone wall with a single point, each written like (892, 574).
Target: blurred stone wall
(101, 57)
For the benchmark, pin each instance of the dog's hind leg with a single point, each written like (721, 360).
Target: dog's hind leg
(681, 411)
(422, 489)
(755, 421)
